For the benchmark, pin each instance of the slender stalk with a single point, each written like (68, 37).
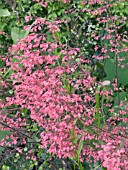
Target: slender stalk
(117, 77)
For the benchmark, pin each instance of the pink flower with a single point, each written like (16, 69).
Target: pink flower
(27, 18)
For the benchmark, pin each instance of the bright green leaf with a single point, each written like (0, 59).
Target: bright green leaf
(4, 12)
(80, 146)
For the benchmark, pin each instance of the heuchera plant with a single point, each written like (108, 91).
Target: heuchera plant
(54, 86)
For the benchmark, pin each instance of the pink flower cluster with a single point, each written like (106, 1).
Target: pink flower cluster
(45, 83)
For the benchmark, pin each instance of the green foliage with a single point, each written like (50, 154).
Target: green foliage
(2, 136)
(111, 70)
(17, 34)
(4, 13)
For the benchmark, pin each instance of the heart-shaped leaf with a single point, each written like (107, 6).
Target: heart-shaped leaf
(4, 13)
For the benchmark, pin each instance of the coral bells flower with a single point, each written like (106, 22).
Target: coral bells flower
(27, 18)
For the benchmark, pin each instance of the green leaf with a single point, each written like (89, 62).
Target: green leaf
(8, 73)
(4, 167)
(4, 13)
(27, 32)
(17, 34)
(122, 96)
(44, 156)
(11, 91)
(76, 139)
(123, 75)
(110, 69)
(24, 111)
(75, 121)
(80, 146)
(121, 144)
(2, 64)
(4, 133)
(97, 115)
